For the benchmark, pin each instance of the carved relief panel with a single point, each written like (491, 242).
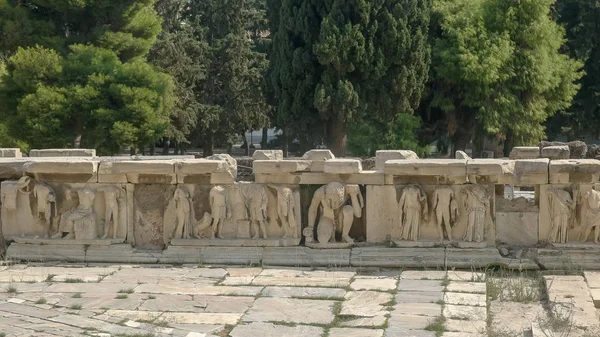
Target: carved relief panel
(35, 211)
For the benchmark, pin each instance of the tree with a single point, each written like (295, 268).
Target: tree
(580, 19)
(232, 96)
(348, 61)
(498, 67)
(83, 80)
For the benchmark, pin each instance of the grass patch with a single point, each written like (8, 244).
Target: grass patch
(522, 287)
(126, 291)
(445, 281)
(74, 280)
(31, 281)
(440, 302)
(123, 321)
(75, 307)
(121, 297)
(225, 331)
(50, 277)
(11, 289)
(135, 335)
(151, 297)
(76, 295)
(437, 325)
(161, 323)
(41, 301)
(2, 334)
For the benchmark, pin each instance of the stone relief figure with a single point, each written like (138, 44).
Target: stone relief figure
(591, 218)
(286, 211)
(114, 200)
(446, 211)
(46, 202)
(220, 210)
(412, 207)
(80, 221)
(335, 215)
(561, 207)
(202, 225)
(183, 209)
(10, 195)
(256, 204)
(477, 204)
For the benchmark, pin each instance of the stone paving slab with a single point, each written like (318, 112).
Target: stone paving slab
(374, 283)
(365, 303)
(466, 287)
(262, 329)
(348, 332)
(420, 285)
(304, 292)
(291, 310)
(475, 300)
(423, 275)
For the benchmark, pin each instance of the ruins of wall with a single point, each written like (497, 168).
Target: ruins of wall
(312, 211)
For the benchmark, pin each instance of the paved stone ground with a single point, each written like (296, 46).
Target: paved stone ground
(145, 301)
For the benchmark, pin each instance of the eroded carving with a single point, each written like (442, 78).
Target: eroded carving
(477, 205)
(413, 209)
(335, 214)
(184, 212)
(256, 205)
(591, 216)
(46, 203)
(80, 221)
(220, 210)
(115, 203)
(561, 207)
(286, 211)
(446, 211)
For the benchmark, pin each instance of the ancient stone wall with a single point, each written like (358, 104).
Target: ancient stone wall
(311, 211)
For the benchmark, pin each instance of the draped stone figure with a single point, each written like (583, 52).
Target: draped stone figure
(477, 204)
(561, 207)
(46, 203)
(80, 221)
(184, 212)
(256, 203)
(286, 211)
(591, 216)
(220, 210)
(446, 211)
(114, 200)
(412, 208)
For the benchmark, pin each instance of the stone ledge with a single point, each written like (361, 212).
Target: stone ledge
(303, 256)
(437, 171)
(574, 171)
(137, 171)
(76, 170)
(11, 168)
(280, 166)
(397, 257)
(317, 178)
(62, 153)
(342, 166)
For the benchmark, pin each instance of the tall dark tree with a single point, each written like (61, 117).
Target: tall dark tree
(341, 62)
(79, 76)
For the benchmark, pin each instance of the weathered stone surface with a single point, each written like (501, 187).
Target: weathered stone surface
(280, 166)
(374, 283)
(500, 171)
(320, 178)
(423, 275)
(231, 162)
(365, 303)
(10, 153)
(138, 171)
(419, 296)
(397, 257)
(348, 332)
(304, 256)
(420, 285)
(342, 166)
(62, 169)
(464, 313)
(199, 170)
(571, 295)
(290, 310)
(465, 276)
(517, 228)
(474, 300)
(592, 278)
(200, 318)
(397, 331)
(371, 322)
(267, 155)
(577, 149)
(27, 252)
(271, 330)
(524, 152)
(303, 279)
(466, 287)
(62, 153)
(443, 171)
(556, 152)
(470, 328)
(419, 309)
(304, 292)
(461, 155)
(574, 171)
(531, 171)
(381, 156)
(318, 155)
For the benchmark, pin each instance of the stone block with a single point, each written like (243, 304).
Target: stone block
(461, 155)
(432, 171)
(303, 256)
(342, 166)
(11, 168)
(495, 171)
(524, 152)
(318, 155)
(10, 153)
(204, 171)
(483, 257)
(138, 171)
(517, 228)
(267, 155)
(571, 171)
(397, 257)
(62, 153)
(531, 171)
(381, 156)
(280, 166)
(212, 255)
(319, 178)
(77, 170)
(290, 310)
(44, 253)
(556, 152)
(271, 330)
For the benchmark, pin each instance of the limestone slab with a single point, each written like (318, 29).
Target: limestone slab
(517, 228)
(138, 171)
(419, 296)
(409, 322)
(318, 155)
(63, 169)
(419, 309)
(300, 281)
(290, 310)
(592, 278)
(465, 313)
(371, 322)
(348, 332)
(443, 171)
(423, 275)
(486, 171)
(320, 178)
(197, 290)
(200, 318)
(475, 300)
(280, 166)
(467, 258)
(88, 287)
(556, 152)
(382, 156)
(466, 328)
(10, 153)
(374, 283)
(28, 252)
(11, 168)
(420, 285)
(365, 303)
(584, 171)
(394, 331)
(572, 294)
(304, 256)
(62, 153)
(397, 257)
(531, 171)
(466, 287)
(212, 255)
(272, 330)
(465, 276)
(342, 166)
(205, 171)
(304, 292)
(524, 152)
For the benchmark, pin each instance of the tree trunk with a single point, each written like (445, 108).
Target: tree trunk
(208, 148)
(246, 146)
(153, 148)
(338, 137)
(265, 139)
(176, 148)
(509, 143)
(463, 135)
(133, 150)
(165, 150)
(285, 142)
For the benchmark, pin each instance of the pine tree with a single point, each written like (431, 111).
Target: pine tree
(77, 74)
(340, 62)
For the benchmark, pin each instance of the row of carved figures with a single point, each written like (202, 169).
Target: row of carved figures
(564, 215)
(77, 223)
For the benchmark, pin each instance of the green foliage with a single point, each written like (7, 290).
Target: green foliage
(498, 66)
(364, 138)
(345, 61)
(85, 81)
